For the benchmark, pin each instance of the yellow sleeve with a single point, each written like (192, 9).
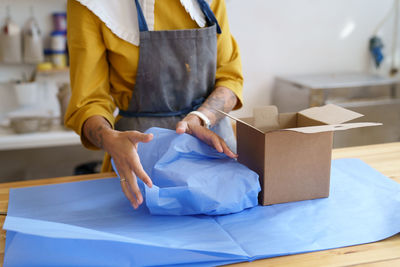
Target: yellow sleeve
(229, 65)
(89, 71)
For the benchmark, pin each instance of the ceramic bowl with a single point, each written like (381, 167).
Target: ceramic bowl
(26, 124)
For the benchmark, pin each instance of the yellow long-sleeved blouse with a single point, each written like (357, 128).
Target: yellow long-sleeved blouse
(103, 67)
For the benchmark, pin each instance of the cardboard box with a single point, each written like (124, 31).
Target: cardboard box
(291, 152)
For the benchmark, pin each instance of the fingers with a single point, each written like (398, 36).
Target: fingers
(227, 151)
(134, 188)
(135, 171)
(137, 167)
(220, 145)
(135, 137)
(212, 139)
(216, 143)
(133, 159)
(130, 187)
(181, 127)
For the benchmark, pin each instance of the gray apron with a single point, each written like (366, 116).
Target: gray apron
(176, 73)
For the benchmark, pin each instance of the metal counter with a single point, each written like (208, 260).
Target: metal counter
(377, 97)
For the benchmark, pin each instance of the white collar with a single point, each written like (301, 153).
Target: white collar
(121, 16)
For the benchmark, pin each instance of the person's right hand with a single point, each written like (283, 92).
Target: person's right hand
(122, 147)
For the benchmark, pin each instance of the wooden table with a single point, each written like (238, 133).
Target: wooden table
(384, 157)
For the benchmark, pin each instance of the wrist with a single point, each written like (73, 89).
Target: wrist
(203, 119)
(96, 130)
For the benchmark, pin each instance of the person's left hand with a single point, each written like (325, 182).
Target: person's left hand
(191, 124)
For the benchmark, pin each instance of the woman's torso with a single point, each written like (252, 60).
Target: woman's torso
(123, 57)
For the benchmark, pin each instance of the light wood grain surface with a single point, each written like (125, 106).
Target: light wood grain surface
(383, 157)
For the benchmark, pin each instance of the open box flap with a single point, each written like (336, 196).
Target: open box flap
(266, 117)
(330, 114)
(332, 127)
(238, 120)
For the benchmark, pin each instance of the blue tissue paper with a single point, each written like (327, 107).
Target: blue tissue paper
(190, 177)
(91, 223)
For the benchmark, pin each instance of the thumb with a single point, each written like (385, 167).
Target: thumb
(181, 127)
(135, 137)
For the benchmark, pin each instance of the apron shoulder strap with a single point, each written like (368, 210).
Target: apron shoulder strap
(209, 14)
(203, 5)
(142, 21)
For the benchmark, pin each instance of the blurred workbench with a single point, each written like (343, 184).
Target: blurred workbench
(383, 157)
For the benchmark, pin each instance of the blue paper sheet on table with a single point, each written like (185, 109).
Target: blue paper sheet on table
(92, 224)
(190, 177)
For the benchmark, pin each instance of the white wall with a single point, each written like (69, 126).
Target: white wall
(279, 37)
(276, 37)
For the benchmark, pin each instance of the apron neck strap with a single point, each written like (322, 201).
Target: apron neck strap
(211, 19)
(142, 21)
(209, 14)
